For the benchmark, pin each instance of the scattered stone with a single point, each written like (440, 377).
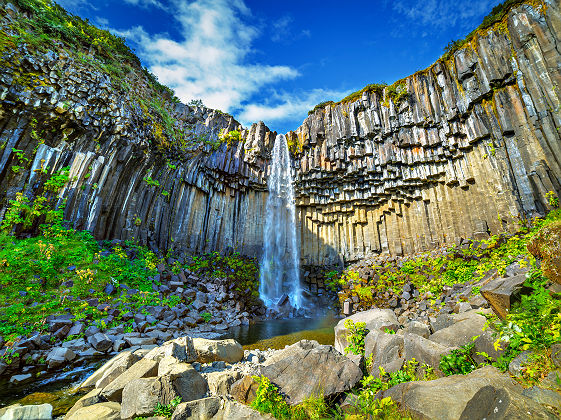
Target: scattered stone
(100, 342)
(19, 379)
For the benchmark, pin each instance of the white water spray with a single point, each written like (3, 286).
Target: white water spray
(280, 264)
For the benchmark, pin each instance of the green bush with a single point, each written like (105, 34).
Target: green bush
(356, 333)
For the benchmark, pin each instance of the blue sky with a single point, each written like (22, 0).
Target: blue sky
(274, 60)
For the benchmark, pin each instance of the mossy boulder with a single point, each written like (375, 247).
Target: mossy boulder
(546, 246)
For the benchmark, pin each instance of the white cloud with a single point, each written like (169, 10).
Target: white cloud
(288, 106)
(146, 3)
(212, 61)
(443, 13)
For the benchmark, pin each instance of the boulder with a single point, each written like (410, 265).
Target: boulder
(515, 366)
(423, 350)
(375, 319)
(203, 409)
(466, 326)
(140, 396)
(91, 398)
(100, 342)
(141, 369)
(105, 410)
(27, 412)
(502, 293)
(484, 393)
(543, 396)
(235, 410)
(546, 246)
(387, 351)
(311, 372)
(20, 379)
(244, 390)
(416, 327)
(111, 370)
(219, 383)
(59, 356)
(181, 349)
(189, 383)
(212, 350)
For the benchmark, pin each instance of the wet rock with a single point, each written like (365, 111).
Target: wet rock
(20, 379)
(59, 356)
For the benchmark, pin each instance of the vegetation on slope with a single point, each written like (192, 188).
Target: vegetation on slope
(48, 27)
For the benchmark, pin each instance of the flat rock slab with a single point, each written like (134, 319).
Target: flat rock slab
(320, 370)
(484, 393)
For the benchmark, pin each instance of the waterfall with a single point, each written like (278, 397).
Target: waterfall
(280, 264)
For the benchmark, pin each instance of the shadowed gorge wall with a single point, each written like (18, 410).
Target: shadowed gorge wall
(473, 146)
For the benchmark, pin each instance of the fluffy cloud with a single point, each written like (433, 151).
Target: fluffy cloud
(288, 106)
(212, 61)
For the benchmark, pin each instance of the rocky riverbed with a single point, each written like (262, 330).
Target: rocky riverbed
(213, 379)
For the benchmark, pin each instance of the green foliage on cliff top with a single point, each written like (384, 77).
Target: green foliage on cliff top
(498, 13)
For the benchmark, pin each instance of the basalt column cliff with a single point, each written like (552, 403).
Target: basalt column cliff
(464, 148)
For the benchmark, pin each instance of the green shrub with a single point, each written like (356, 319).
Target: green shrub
(167, 409)
(356, 333)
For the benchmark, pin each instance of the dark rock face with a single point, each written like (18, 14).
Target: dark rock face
(475, 137)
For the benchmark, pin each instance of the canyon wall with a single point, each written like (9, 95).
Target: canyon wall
(471, 148)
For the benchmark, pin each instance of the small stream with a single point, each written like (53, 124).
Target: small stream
(58, 388)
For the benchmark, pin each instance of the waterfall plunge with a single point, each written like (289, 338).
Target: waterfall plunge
(280, 264)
